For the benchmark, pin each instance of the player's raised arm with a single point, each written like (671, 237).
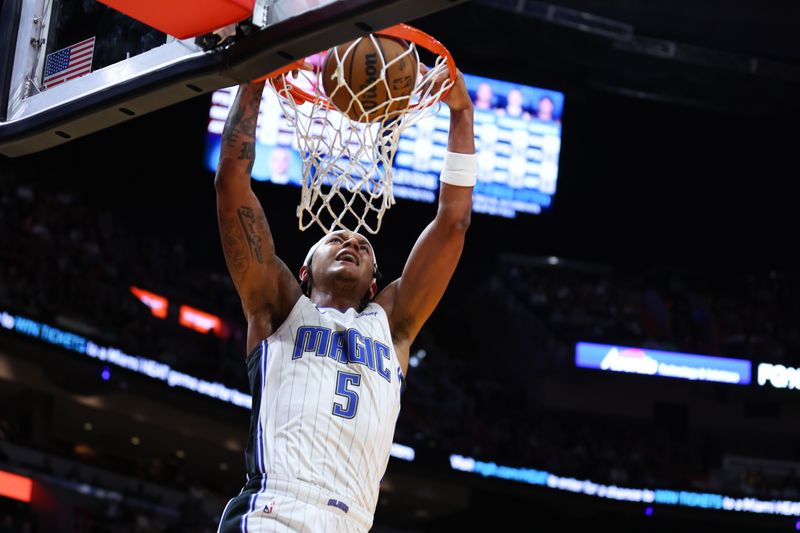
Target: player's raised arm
(264, 283)
(411, 299)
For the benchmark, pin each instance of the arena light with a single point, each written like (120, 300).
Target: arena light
(650, 497)
(663, 364)
(158, 304)
(141, 365)
(15, 487)
(116, 357)
(199, 321)
(778, 376)
(400, 451)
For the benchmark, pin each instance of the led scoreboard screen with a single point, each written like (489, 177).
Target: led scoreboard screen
(517, 134)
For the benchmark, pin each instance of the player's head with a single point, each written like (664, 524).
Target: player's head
(483, 96)
(514, 98)
(342, 256)
(546, 106)
(279, 160)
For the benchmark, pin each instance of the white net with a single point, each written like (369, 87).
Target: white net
(347, 154)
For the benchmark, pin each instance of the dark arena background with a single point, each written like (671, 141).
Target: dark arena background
(533, 401)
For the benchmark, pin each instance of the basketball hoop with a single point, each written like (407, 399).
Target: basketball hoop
(347, 162)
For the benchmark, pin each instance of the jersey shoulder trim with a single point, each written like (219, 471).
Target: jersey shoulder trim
(379, 311)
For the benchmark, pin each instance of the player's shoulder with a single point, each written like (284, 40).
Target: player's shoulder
(301, 307)
(373, 310)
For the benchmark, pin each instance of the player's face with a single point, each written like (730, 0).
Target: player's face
(546, 108)
(280, 160)
(346, 254)
(484, 92)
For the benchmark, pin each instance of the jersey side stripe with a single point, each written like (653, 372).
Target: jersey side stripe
(264, 355)
(259, 459)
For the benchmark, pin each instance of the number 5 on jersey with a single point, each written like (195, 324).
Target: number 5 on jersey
(346, 409)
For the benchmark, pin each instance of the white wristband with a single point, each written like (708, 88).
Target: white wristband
(460, 169)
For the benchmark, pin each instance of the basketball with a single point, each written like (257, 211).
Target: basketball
(379, 75)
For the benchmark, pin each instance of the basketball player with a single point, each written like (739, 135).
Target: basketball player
(327, 355)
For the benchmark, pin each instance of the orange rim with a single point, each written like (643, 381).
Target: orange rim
(283, 70)
(401, 31)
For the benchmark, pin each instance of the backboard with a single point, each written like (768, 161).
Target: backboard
(68, 69)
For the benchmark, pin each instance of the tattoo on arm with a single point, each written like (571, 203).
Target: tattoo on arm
(233, 245)
(230, 132)
(248, 151)
(248, 124)
(241, 123)
(249, 220)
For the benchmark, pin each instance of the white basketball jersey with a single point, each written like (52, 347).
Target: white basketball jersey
(326, 395)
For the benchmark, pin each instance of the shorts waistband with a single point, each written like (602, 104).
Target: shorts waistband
(312, 494)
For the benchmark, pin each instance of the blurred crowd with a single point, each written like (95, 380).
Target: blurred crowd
(110, 492)
(68, 264)
(745, 316)
(473, 397)
(65, 264)
(15, 517)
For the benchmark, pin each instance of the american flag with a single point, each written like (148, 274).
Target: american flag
(68, 63)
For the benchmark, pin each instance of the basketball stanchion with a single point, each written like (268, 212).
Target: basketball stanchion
(348, 107)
